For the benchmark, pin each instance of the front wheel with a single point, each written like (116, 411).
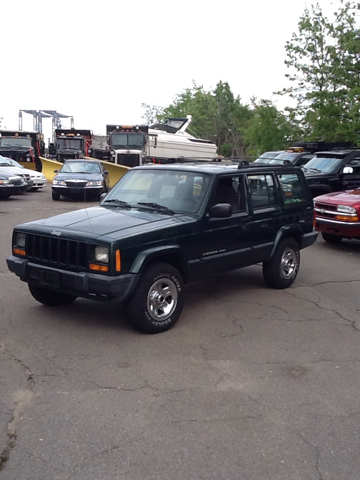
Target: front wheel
(281, 271)
(330, 238)
(55, 196)
(49, 297)
(157, 302)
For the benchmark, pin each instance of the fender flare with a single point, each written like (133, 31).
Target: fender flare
(146, 256)
(293, 231)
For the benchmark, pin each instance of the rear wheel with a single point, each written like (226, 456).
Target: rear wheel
(157, 302)
(330, 238)
(55, 196)
(49, 297)
(281, 271)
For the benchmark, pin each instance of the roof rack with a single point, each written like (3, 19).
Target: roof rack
(243, 163)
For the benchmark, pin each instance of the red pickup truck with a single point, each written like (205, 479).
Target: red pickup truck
(337, 215)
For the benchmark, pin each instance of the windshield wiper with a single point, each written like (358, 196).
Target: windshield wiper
(156, 206)
(315, 170)
(118, 202)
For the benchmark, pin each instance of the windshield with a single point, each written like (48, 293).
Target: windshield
(176, 190)
(5, 162)
(127, 140)
(323, 164)
(70, 143)
(262, 160)
(80, 167)
(15, 142)
(10, 161)
(286, 156)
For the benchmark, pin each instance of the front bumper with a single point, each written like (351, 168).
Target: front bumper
(6, 190)
(83, 284)
(78, 191)
(335, 227)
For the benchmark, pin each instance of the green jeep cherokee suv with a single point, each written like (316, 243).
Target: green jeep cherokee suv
(163, 226)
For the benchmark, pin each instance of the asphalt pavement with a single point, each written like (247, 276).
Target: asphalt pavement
(251, 384)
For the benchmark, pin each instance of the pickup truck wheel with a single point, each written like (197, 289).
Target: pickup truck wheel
(330, 238)
(281, 271)
(157, 302)
(55, 196)
(49, 297)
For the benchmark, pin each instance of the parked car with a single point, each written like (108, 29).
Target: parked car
(337, 215)
(80, 178)
(333, 171)
(162, 226)
(266, 157)
(38, 179)
(294, 156)
(11, 185)
(7, 167)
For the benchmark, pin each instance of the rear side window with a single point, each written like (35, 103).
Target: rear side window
(292, 189)
(262, 190)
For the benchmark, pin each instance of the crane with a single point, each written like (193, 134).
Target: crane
(38, 115)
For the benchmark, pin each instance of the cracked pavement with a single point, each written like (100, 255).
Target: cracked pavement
(251, 384)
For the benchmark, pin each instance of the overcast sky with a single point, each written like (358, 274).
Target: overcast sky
(98, 61)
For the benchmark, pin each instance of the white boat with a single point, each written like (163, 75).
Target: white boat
(167, 142)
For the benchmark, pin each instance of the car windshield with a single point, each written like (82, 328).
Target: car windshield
(180, 191)
(5, 162)
(15, 142)
(75, 143)
(285, 156)
(323, 164)
(80, 167)
(13, 163)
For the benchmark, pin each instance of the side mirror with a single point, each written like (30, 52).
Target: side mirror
(106, 172)
(348, 170)
(221, 210)
(102, 196)
(56, 171)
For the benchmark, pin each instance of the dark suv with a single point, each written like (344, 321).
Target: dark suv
(163, 226)
(333, 171)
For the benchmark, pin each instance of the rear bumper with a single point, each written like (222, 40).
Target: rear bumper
(308, 239)
(83, 284)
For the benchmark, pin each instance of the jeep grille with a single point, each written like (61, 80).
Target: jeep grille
(56, 251)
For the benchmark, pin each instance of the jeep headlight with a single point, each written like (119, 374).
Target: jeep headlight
(20, 240)
(102, 254)
(59, 182)
(346, 209)
(93, 183)
(4, 182)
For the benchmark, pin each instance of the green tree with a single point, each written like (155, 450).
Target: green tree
(323, 59)
(268, 130)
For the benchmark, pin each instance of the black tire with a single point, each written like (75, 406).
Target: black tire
(157, 302)
(56, 196)
(281, 271)
(49, 297)
(330, 238)
(34, 189)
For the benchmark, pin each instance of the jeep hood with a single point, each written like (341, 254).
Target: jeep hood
(104, 221)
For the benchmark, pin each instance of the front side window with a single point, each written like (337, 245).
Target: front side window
(291, 188)
(262, 190)
(229, 190)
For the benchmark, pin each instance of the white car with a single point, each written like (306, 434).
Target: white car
(37, 178)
